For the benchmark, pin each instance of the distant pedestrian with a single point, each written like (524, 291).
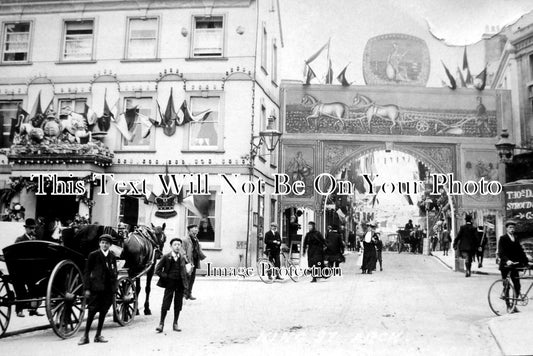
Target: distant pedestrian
(379, 248)
(369, 250)
(351, 241)
(335, 248)
(173, 276)
(100, 285)
(314, 244)
(467, 243)
(446, 239)
(194, 252)
(483, 239)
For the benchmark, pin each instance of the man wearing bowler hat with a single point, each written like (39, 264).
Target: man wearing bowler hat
(273, 247)
(511, 255)
(100, 285)
(29, 235)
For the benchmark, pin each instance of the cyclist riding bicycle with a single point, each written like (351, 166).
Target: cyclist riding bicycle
(511, 255)
(273, 247)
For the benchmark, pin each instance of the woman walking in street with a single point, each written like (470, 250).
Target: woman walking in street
(314, 244)
(369, 250)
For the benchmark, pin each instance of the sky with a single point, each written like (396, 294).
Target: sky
(307, 24)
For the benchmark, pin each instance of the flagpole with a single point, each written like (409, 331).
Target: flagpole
(328, 62)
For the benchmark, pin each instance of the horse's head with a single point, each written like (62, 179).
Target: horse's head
(308, 100)
(159, 235)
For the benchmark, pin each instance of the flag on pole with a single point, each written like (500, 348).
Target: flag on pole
(121, 123)
(461, 78)
(342, 77)
(104, 122)
(452, 84)
(49, 111)
(469, 78)
(90, 115)
(314, 56)
(481, 79)
(36, 115)
(329, 75)
(465, 60)
(131, 116)
(146, 124)
(310, 76)
(191, 204)
(22, 117)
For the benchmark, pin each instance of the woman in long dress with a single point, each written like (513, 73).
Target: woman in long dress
(369, 250)
(314, 244)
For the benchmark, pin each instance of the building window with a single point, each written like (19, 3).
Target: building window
(274, 73)
(78, 44)
(202, 212)
(8, 113)
(208, 36)
(273, 215)
(264, 45)
(66, 106)
(133, 120)
(205, 132)
(142, 38)
(16, 46)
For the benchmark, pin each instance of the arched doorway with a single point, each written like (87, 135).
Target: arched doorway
(389, 187)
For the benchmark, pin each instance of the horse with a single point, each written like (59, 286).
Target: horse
(388, 112)
(141, 250)
(335, 110)
(85, 239)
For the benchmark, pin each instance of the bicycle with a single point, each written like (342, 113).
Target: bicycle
(502, 294)
(265, 268)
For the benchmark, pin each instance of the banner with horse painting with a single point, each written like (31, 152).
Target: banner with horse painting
(435, 112)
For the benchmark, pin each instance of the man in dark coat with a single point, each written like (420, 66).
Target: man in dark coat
(335, 247)
(511, 254)
(467, 243)
(314, 243)
(173, 277)
(100, 285)
(30, 227)
(273, 246)
(194, 252)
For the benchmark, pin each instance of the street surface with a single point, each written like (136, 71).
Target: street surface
(416, 306)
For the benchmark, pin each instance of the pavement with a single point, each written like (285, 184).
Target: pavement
(512, 332)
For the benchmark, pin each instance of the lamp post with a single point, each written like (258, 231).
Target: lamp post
(270, 137)
(506, 148)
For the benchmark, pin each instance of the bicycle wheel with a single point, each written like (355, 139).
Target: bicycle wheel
(295, 272)
(264, 270)
(502, 296)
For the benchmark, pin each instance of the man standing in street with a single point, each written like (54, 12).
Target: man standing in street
(194, 252)
(29, 235)
(273, 247)
(100, 285)
(173, 277)
(467, 243)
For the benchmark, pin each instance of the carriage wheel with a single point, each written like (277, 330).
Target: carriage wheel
(6, 296)
(422, 126)
(65, 302)
(125, 301)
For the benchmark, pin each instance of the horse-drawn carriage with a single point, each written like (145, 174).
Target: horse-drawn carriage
(404, 240)
(51, 273)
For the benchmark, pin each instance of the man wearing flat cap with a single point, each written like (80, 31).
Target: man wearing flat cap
(194, 252)
(100, 285)
(511, 254)
(273, 246)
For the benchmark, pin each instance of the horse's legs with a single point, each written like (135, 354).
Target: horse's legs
(147, 289)
(137, 289)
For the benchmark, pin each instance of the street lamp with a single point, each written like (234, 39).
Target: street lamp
(506, 147)
(269, 137)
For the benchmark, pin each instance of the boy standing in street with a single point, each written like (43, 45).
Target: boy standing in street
(173, 277)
